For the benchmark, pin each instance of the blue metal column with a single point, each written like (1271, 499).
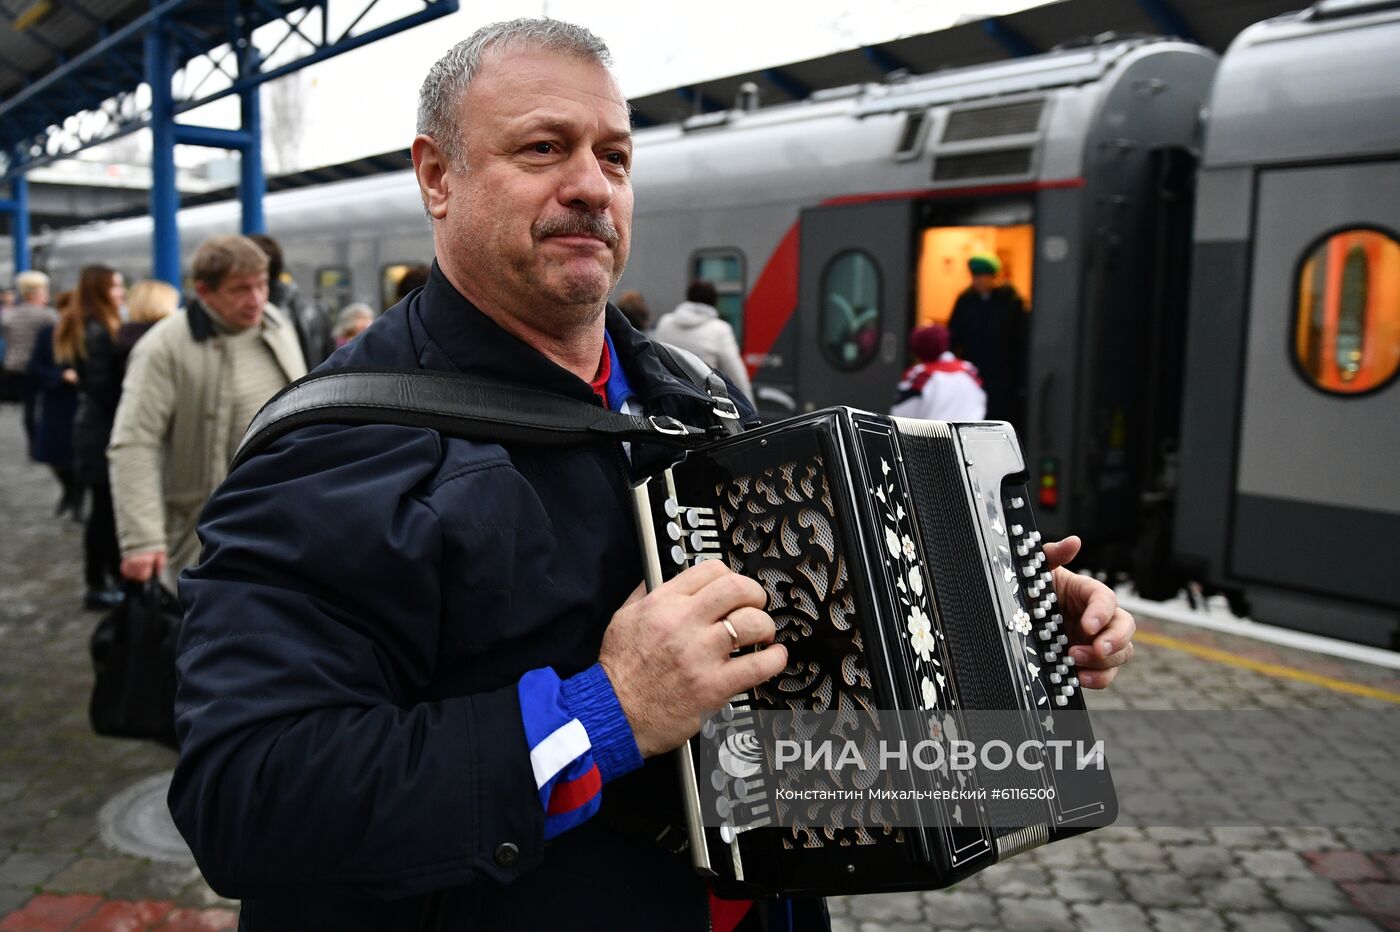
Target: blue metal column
(252, 184)
(19, 221)
(165, 200)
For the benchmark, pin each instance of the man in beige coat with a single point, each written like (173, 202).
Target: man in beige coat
(192, 385)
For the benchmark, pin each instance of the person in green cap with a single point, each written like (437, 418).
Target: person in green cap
(988, 329)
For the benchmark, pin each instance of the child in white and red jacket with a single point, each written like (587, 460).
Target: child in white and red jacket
(940, 387)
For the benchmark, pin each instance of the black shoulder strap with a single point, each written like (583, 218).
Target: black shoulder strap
(682, 362)
(456, 405)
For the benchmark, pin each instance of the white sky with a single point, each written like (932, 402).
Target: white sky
(363, 102)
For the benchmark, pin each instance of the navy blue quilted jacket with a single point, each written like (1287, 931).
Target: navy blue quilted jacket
(352, 754)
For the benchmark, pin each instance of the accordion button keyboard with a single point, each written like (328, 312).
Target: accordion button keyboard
(672, 508)
(1061, 640)
(673, 530)
(1038, 612)
(1061, 701)
(1018, 503)
(1044, 635)
(678, 555)
(1017, 530)
(1055, 678)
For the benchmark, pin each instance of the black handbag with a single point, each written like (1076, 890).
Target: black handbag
(133, 659)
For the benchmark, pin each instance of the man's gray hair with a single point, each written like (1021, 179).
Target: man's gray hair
(448, 79)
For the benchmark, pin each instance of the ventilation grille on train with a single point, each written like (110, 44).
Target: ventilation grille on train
(988, 122)
(987, 164)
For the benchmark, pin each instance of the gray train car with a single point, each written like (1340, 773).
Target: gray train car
(1289, 486)
(833, 225)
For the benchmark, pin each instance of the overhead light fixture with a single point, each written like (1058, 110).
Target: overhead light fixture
(31, 17)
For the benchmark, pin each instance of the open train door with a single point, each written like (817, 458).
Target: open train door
(854, 298)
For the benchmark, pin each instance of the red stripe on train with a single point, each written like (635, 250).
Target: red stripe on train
(773, 300)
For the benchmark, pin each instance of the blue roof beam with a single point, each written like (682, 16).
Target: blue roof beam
(787, 84)
(1008, 37)
(1168, 20)
(212, 137)
(884, 60)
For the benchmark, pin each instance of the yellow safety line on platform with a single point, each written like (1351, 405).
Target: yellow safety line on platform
(1268, 669)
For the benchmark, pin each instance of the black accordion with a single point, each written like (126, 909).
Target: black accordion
(904, 571)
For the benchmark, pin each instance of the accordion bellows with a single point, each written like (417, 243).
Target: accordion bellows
(904, 573)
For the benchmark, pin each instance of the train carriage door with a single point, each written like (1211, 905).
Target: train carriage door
(1317, 502)
(856, 273)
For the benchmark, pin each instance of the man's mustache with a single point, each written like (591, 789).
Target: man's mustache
(598, 226)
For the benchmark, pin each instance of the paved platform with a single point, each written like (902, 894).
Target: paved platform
(59, 869)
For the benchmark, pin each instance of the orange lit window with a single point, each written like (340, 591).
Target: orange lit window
(1347, 337)
(943, 259)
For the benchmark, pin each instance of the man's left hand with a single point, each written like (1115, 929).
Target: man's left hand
(1100, 633)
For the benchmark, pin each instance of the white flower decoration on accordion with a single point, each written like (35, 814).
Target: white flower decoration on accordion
(1021, 622)
(921, 634)
(908, 579)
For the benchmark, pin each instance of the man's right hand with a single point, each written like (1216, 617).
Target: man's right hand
(140, 567)
(667, 652)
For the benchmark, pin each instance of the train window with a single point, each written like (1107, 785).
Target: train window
(1347, 311)
(333, 290)
(389, 278)
(723, 268)
(850, 314)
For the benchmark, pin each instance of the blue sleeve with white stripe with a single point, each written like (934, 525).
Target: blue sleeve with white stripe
(579, 739)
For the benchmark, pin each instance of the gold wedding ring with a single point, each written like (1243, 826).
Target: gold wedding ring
(733, 635)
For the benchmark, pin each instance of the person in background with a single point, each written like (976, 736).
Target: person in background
(56, 397)
(313, 325)
(148, 302)
(354, 320)
(193, 383)
(21, 324)
(988, 329)
(695, 325)
(940, 386)
(635, 308)
(83, 342)
(415, 276)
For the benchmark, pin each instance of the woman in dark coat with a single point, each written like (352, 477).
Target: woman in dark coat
(57, 404)
(86, 342)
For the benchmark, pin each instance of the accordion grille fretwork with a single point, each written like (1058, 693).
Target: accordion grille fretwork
(780, 528)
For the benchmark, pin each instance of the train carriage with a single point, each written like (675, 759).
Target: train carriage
(1289, 485)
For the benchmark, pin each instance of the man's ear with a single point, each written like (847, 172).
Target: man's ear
(203, 290)
(430, 165)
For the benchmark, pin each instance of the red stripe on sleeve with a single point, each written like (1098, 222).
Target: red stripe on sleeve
(568, 795)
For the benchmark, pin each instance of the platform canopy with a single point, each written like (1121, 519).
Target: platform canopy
(61, 58)
(76, 73)
(1212, 23)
